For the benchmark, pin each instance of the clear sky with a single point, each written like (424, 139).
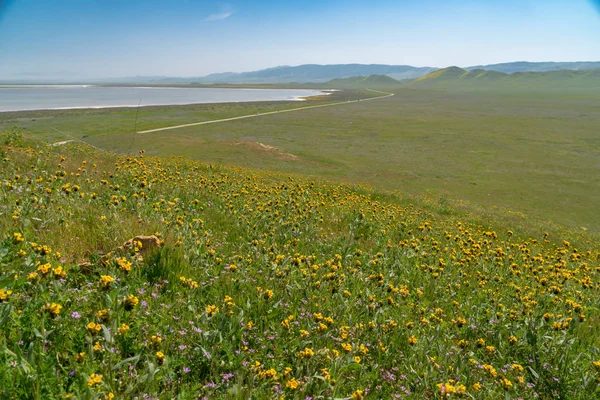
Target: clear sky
(114, 38)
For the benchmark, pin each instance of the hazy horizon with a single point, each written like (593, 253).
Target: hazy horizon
(110, 39)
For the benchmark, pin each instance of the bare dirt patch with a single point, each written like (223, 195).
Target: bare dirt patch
(272, 150)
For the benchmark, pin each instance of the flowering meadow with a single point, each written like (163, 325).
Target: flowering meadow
(266, 286)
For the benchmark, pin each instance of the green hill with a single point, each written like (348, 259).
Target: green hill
(456, 75)
(444, 74)
(482, 74)
(458, 78)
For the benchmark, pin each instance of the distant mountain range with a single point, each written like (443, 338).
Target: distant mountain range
(524, 66)
(313, 73)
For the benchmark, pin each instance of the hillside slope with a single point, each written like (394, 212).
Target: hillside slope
(265, 285)
(454, 77)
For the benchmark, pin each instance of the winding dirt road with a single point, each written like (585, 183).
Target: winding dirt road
(215, 121)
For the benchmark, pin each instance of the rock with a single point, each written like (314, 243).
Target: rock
(149, 243)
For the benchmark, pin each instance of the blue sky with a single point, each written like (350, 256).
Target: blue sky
(80, 39)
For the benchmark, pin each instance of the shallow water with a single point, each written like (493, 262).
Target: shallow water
(43, 97)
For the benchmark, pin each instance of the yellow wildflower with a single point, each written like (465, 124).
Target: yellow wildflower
(4, 294)
(106, 281)
(130, 302)
(124, 264)
(155, 339)
(292, 384)
(268, 294)
(44, 269)
(211, 310)
(307, 352)
(59, 272)
(94, 379)
(103, 315)
(18, 238)
(490, 370)
(123, 329)
(53, 309)
(93, 328)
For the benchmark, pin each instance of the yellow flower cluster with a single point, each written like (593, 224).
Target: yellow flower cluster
(94, 379)
(124, 264)
(53, 309)
(130, 302)
(4, 294)
(211, 310)
(106, 281)
(93, 328)
(188, 282)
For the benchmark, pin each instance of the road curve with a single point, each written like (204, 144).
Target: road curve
(385, 94)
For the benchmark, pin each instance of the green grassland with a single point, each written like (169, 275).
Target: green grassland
(120, 121)
(511, 153)
(267, 285)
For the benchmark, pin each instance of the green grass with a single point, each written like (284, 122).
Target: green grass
(120, 121)
(271, 286)
(532, 153)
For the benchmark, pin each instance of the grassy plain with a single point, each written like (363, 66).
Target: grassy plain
(536, 153)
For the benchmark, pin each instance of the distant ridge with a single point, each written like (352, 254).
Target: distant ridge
(460, 74)
(525, 66)
(371, 81)
(455, 77)
(316, 73)
(444, 74)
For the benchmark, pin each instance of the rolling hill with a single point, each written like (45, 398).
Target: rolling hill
(454, 77)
